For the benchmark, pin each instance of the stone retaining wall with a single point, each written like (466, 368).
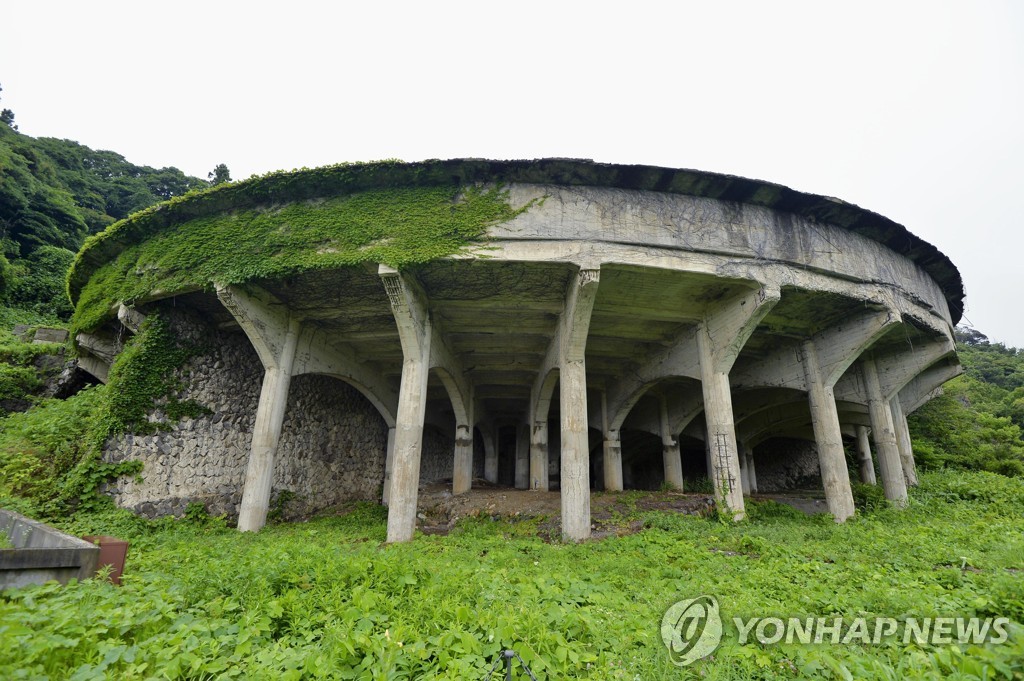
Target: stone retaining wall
(332, 446)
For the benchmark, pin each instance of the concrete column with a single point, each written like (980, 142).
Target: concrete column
(539, 456)
(523, 457)
(612, 462)
(867, 466)
(405, 476)
(670, 451)
(725, 462)
(748, 455)
(575, 469)
(885, 437)
(490, 454)
(829, 437)
(708, 468)
(899, 422)
(744, 474)
(389, 463)
(462, 473)
(266, 433)
(416, 333)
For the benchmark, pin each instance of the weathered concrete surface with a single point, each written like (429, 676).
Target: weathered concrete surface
(41, 553)
(695, 323)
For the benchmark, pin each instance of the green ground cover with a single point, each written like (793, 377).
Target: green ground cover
(327, 599)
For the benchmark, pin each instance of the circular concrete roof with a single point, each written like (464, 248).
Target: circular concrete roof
(352, 178)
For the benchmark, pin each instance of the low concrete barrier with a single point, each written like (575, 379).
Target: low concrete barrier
(41, 553)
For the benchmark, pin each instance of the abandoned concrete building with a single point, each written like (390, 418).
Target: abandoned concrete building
(358, 330)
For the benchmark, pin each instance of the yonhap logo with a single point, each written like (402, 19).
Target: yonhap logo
(691, 629)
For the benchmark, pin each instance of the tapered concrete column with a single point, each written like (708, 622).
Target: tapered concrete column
(720, 337)
(389, 463)
(539, 457)
(867, 466)
(405, 476)
(708, 467)
(670, 451)
(490, 455)
(748, 456)
(899, 422)
(889, 464)
(415, 334)
(725, 461)
(522, 457)
(259, 474)
(575, 472)
(612, 462)
(566, 354)
(462, 472)
(274, 334)
(744, 475)
(829, 437)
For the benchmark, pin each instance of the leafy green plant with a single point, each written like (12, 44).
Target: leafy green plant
(393, 225)
(326, 599)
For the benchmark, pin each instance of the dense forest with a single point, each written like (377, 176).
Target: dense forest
(54, 193)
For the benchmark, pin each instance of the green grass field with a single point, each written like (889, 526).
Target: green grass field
(328, 599)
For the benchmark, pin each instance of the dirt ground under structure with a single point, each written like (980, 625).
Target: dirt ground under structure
(611, 513)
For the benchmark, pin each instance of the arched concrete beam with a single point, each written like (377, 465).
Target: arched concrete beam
(896, 370)
(315, 355)
(678, 360)
(837, 348)
(923, 386)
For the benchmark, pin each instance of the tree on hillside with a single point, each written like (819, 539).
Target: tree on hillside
(7, 116)
(219, 174)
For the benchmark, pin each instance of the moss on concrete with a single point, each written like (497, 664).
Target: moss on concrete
(396, 226)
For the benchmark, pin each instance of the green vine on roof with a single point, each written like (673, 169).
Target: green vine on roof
(398, 226)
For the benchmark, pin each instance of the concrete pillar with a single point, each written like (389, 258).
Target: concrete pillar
(725, 462)
(867, 466)
(259, 474)
(415, 334)
(670, 451)
(612, 462)
(889, 465)
(490, 454)
(389, 463)
(539, 456)
(708, 468)
(462, 473)
(405, 476)
(829, 437)
(748, 455)
(744, 473)
(575, 469)
(899, 422)
(523, 457)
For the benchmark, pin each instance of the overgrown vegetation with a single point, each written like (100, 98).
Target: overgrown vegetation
(53, 193)
(976, 424)
(397, 226)
(50, 455)
(326, 599)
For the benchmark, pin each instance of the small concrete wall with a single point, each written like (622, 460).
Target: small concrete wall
(41, 553)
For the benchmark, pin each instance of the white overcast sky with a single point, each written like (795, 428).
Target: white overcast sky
(914, 110)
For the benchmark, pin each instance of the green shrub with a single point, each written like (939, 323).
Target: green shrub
(868, 498)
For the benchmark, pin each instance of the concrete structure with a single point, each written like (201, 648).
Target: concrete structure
(39, 553)
(710, 313)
